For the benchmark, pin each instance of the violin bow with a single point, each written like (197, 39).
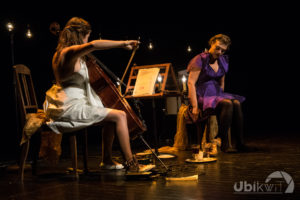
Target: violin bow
(127, 67)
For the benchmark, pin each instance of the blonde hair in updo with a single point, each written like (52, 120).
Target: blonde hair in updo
(75, 29)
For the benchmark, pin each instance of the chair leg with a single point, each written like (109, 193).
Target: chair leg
(199, 133)
(229, 139)
(73, 146)
(85, 152)
(24, 154)
(35, 141)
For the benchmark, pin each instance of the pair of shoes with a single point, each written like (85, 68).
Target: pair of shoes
(111, 167)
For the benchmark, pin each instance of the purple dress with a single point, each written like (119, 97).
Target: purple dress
(209, 92)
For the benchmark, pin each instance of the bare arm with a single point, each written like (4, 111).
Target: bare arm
(193, 77)
(76, 51)
(65, 65)
(222, 82)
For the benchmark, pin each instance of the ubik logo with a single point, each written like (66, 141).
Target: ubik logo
(278, 182)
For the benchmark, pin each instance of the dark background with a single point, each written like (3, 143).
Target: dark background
(263, 55)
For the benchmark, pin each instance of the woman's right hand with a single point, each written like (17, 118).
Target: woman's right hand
(195, 111)
(131, 44)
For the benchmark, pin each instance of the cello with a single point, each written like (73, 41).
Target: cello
(110, 95)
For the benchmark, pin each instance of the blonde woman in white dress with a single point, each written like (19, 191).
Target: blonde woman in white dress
(71, 104)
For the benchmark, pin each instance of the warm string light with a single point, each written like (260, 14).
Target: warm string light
(10, 27)
(183, 79)
(159, 80)
(150, 46)
(28, 32)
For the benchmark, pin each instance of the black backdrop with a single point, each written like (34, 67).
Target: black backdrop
(263, 62)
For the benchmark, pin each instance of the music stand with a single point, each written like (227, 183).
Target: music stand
(167, 88)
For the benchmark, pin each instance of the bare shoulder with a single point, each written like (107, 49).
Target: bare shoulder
(62, 64)
(58, 59)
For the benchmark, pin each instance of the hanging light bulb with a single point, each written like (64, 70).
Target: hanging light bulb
(183, 79)
(28, 32)
(189, 49)
(10, 27)
(159, 80)
(150, 46)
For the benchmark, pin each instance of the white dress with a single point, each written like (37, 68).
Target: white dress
(73, 104)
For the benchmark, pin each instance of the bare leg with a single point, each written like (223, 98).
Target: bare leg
(120, 121)
(108, 135)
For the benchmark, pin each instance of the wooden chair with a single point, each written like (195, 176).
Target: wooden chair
(206, 130)
(28, 104)
(206, 125)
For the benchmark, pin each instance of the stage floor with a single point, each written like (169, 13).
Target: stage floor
(232, 176)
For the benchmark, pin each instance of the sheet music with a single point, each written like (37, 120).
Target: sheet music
(145, 82)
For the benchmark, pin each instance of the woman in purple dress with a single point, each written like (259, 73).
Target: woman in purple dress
(206, 90)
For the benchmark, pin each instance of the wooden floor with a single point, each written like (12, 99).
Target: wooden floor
(270, 153)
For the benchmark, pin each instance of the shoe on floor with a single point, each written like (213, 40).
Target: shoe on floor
(214, 149)
(218, 141)
(143, 170)
(111, 167)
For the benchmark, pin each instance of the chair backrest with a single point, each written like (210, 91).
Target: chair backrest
(26, 93)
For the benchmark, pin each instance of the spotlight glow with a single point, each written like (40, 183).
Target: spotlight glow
(29, 34)
(10, 27)
(159, 78)
(150, 46)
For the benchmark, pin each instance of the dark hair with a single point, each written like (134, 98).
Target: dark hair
(72, 34)
(220, 37)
